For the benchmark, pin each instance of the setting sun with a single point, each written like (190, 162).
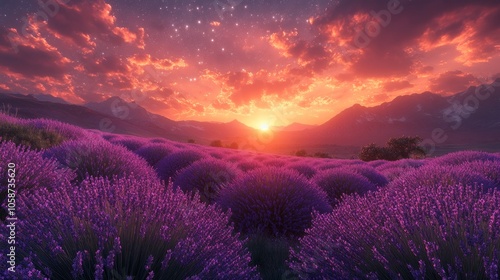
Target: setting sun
(264, 127)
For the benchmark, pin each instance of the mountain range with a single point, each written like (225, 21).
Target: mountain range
(466, 120)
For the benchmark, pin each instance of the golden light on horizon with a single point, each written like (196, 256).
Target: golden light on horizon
(264, 127)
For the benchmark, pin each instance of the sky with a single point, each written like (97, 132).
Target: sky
(260, 62)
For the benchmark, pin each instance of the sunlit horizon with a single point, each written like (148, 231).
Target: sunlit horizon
(298, 62)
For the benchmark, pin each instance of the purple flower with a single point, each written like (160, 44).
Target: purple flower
(406, 233)
(206, 177)
(31, 169)
(305, 169)
(154, 152)
(340, 182)
(125, 227)
(464, 156)
(130, 143)
(168, 167)
(435, 175)
(274, 202)
(249, 165)
(98, 158)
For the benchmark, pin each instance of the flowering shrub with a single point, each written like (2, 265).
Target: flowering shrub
(435, 175)
(67, 131)
(329, 165)
(339, 182)
(274, 163)
(217, 155)
(154, 152)
(171, 164)
(303, 169)
(234, 158)
(403, 163)
(395, 172)
(125, 228)
(369, 173)
(274, 202)
(443, 232)
(32, 170)
(132, 144)
(158, 140)
(206, 177)
(489, 169)
(249, 165)
(378, 162)
(464, 156)
(98, 158)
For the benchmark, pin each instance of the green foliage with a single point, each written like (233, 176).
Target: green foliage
(29, 136)
(216, 143)
(397, 148)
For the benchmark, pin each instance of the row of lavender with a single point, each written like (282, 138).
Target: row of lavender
(94, 207)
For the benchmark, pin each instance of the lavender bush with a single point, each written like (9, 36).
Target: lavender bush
(249, 165)
(273, 201)
(489, 169)
(419, 232)
(171, 164)
(154, 152)
(132, 144)
(69, 132)
(340, 182)
(206, 177)
(124, 229)
(369, 173)
(463, 157)
(98, 158)
(32, 171)
(435, 175)
(307, 170)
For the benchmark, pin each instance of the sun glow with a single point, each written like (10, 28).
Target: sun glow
(264, 127)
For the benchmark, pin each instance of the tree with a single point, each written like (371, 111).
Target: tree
(301, 153)
(233, 145)
(405, 146)
(397, 148)
(216, 143)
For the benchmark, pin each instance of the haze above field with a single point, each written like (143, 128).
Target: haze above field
(264, 63)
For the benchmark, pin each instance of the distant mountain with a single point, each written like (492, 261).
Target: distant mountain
(469, 119)
(126, 118)
(293, 127)
(196, 130)
(466, 118)
(50, 98)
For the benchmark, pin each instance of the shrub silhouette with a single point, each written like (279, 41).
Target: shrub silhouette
(216, 143)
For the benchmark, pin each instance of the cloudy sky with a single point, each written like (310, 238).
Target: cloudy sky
(273, 62)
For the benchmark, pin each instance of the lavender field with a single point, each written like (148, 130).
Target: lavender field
(94, 205)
